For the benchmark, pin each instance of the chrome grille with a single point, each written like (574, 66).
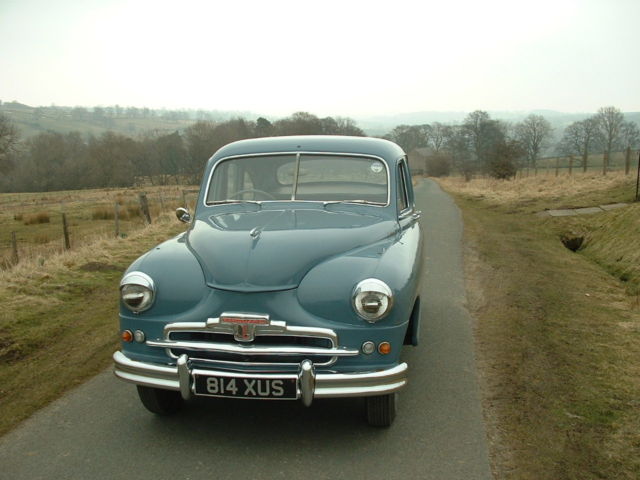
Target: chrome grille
(272, 344)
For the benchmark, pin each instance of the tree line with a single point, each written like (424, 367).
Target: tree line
(482, 145)
(52, 161)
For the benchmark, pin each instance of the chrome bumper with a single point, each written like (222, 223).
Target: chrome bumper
(310, 384)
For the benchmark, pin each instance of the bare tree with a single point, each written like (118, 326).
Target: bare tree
(629, 135)
(201, 142)
(347, 126)
(533, 134)
(483, 134)
(437, 135)
(610, 120)
(409, 137)
(630, 138)
(581, 138)
(300, 123)
(458, 144)
(9, 138)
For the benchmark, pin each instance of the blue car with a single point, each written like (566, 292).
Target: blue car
(297, 278)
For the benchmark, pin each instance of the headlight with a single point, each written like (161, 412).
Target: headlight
(137, 291)
(372, 299)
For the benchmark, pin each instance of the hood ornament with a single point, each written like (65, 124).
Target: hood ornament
(255, 233)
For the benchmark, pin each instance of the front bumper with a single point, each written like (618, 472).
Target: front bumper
(310, 384)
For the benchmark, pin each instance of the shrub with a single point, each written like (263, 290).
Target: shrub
(502, 164)
(103, 213)
(438, 165)
(133, 211)
(42, 217)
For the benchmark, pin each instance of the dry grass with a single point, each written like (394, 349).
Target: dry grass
(558, 333)
(58, 320)
(90, 214)
(541, 187)
(58, 323)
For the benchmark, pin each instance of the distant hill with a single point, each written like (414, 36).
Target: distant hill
(125, 120)
(134, 121)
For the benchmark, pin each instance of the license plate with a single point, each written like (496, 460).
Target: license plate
(246, 387)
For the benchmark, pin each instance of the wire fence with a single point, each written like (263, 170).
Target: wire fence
(38, 225)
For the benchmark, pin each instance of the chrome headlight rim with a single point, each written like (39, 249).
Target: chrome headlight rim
(377, 290)
(142, 281)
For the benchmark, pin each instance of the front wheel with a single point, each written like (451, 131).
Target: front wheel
(381, 410)
(160, 401)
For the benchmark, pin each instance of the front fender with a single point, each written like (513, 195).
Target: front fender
(326, 291)
(178, 277)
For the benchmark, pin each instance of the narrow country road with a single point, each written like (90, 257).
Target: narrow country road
(101, 431)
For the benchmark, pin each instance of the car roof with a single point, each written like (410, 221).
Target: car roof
(385, 149)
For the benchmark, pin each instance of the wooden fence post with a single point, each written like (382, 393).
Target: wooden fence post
(144, 205)
(117, 219)
(65, 231)
(570, 165)
(184, 199)
(627, 160)
(14, 249)
(557, 165)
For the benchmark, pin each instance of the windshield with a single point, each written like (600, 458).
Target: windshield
(302, 177)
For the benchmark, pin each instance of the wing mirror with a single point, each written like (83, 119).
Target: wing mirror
(183, 215)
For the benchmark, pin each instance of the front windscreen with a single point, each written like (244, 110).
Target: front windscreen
(303, 177)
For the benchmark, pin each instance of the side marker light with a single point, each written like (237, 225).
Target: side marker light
(126, 336)
(384, 348)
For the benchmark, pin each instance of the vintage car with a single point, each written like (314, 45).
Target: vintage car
(297, 279)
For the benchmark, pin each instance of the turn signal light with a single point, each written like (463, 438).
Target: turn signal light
(384, 348)
(126, 336)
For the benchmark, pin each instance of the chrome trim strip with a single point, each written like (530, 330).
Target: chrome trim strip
(268, 154)
(326, 385)
(295, 178)
(253, 349)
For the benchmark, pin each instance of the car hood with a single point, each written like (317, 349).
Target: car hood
(271, 250)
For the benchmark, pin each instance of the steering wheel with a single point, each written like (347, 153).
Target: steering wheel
(254, 190)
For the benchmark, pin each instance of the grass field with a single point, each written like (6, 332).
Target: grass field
(36, 218)
(558, 332)
(59, 319)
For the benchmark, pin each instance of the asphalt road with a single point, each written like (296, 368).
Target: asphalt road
(101, 431)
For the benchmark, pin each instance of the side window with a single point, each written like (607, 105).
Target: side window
(403, 197)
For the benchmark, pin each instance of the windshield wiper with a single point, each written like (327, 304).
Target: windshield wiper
(228, 201)
(359, 201)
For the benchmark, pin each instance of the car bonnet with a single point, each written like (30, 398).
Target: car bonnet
(271, 250)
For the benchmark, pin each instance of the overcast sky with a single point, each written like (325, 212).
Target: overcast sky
(348, 58)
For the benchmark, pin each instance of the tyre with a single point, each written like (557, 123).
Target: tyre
(159, 401)
(381, 410)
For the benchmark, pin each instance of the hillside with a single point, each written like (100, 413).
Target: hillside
(129, 121)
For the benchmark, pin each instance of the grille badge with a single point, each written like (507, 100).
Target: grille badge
(244, 325)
